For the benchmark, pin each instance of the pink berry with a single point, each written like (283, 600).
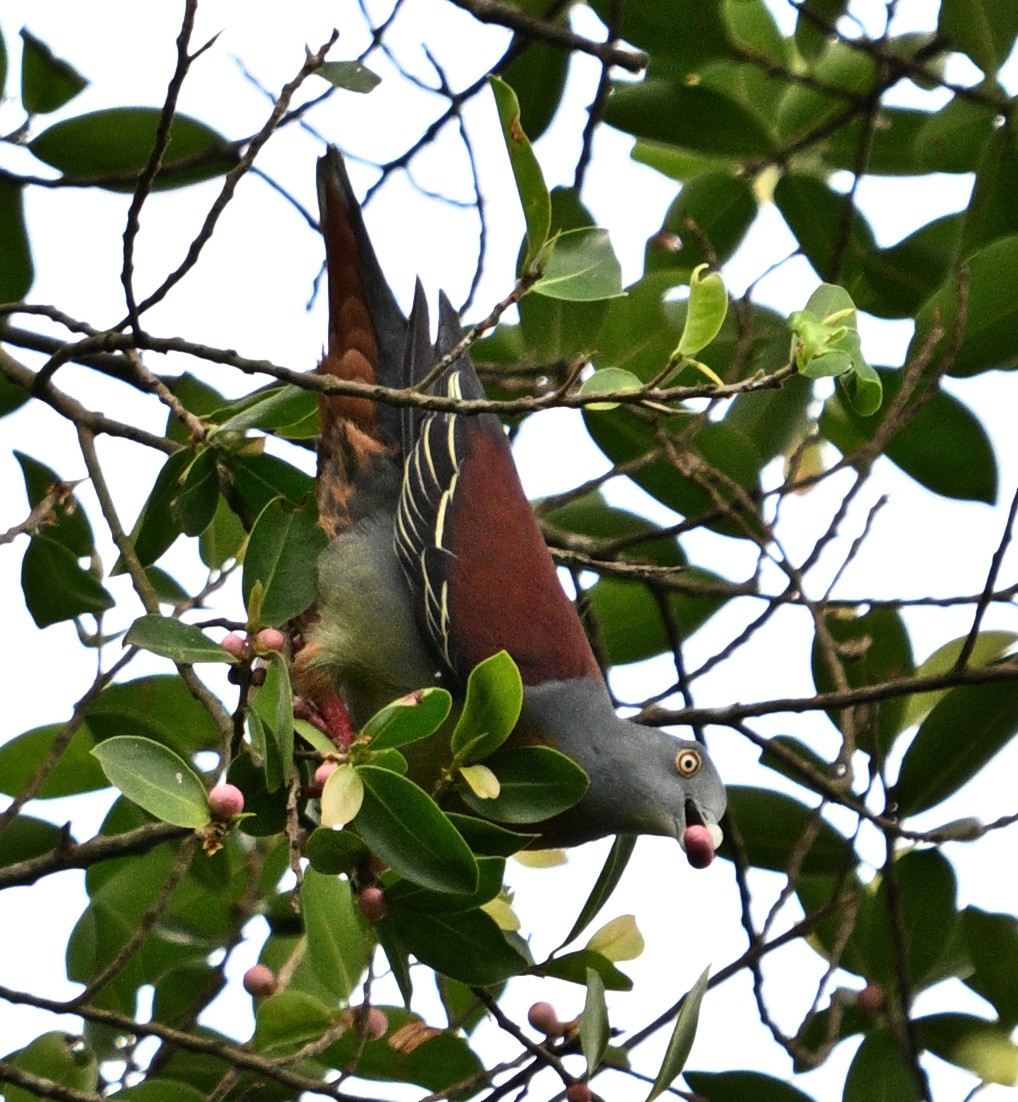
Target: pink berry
(579, 1092)
(235, 644)
(544, 1019)
(260, 981)
(372, 904)
(699, 846)
(870, 1000)
(324, 772)
(375, 1025)
(225, 801)
(269, 639)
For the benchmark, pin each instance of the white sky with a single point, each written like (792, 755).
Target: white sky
(249, 293)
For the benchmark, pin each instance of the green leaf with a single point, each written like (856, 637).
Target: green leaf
(536, 783)
(466, 946)
(488, 839)
(157, 527)
(406, 895)
(109, 148)
(983, 29)
(335, 851)
(289, 1019)
(990, 646)
(582, 268)
(981, 1047)
(337, 945)
(173, 639)
(58, 1056)
(273, 705)
(594, 1029)
(195, 505)
(351, 76)
(158, 707)
(25, 837)
(438, 1063)
(405, 828)
(408, 719)
(258, 479)
(739, 1086)
(963, 732)
(491, 709)
(609, 380)
(538, 75)
(991, 214)
(944, 447)
(681, 1041)
(282, 555)
(689, 116)
(75, 771)
(56, 588)
(619, 939)
(773, 826)
(573, 968)
(67, 522)
(606, 883)
(879, 1073)
(47, 81)
(271, 409)
(992, 943)
(155, 778)
(705, 313)
(16, 271)
(342, 796)
(527, 173)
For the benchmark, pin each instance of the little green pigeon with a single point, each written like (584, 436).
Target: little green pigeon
(436, 562)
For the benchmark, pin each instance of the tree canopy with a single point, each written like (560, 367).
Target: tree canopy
(725, 550)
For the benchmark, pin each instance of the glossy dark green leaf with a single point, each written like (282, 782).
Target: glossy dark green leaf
(56, 588)
(990, 328)
(704, 225)
(573, 967)
(198, 397)
(338, 946)
(536, 781)
(75, 771)
(839, 74)
(405, 828)
(594, 1028)
(983, 29)
(897, 280)
(491, 709)
(436, 1064)
(530, 185)
(992, 943)
(282, 557)
(272, 409)
(690, 116)
(686, 35)
(47, 81)
(16, 271)
(272, 703)
(981, 1047)
(335, 851)
(110, 147)
(67, 523)
(489, 839)
(289, 1019)
(467, 946)
(880, 1073)
(351, 76)
(157, 528)
(538, 75)
(267, 809)
(175, 640)
(944, 447)
(258, 479)
(873, 647)
(606, 883)
(164, 1090)
(739, 1086)
(775, 756)
(404, 894)
(961, 735)
(12, 396)
(773, 827)
(58, 1056)
(195, 505)
(159, 707)
(681, 1041)
(25, 837)
(990, 214)
(812, 39)
(155, 778)
(408, 720)
(221, 542)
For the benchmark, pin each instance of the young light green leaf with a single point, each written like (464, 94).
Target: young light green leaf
(530, 183)
(342, 796)
(336, 944)
(594, 1029)
(351, 76)
(273, 409)
(582, 267)
(607, 881)
(155, 778)
(989, 647)
(681, 1040)
(493, 701)
(483, 783)
(609, 380)
(619, 939)
(173, 639)
(705, 313)
(863, 388)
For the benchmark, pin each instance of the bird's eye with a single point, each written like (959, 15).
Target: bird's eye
(687, 762)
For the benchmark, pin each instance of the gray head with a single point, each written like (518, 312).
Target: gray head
(642, 780)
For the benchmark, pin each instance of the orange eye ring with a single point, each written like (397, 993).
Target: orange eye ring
(688, 763)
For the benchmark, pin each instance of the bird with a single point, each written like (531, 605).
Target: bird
(436, 560)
